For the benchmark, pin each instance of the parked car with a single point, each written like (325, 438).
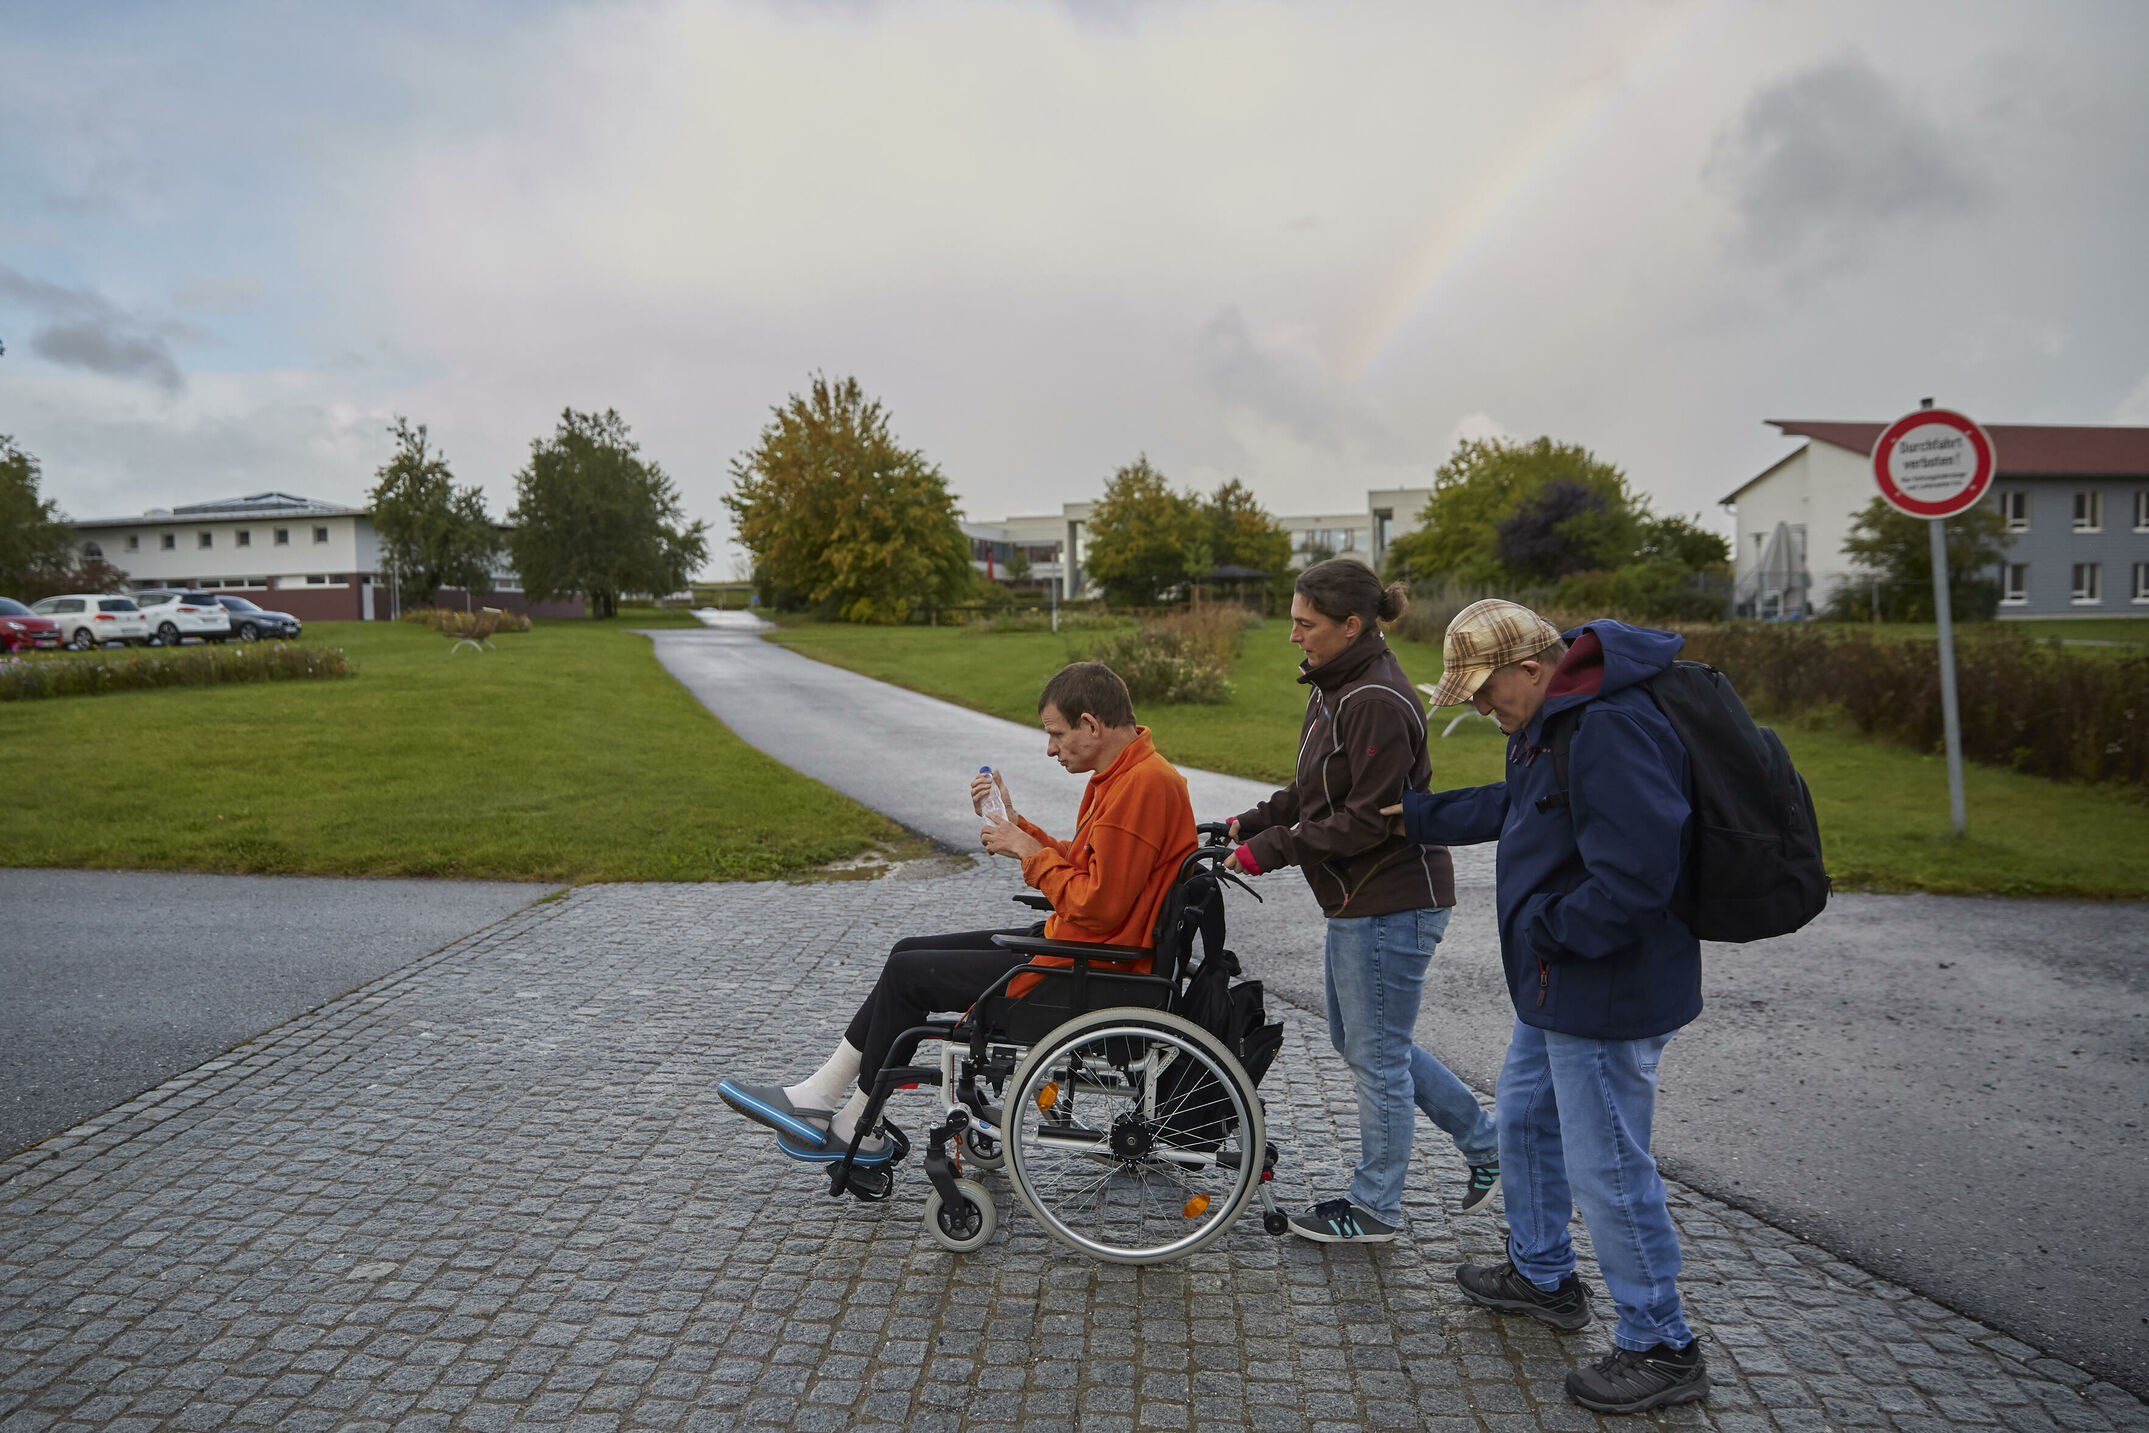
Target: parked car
(93, 619)
(250, 623)
(21, 629)
(175, 616)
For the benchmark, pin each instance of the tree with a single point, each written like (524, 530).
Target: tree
(841, 517)
(1242, 533)
(1894, 557)
(593, 517)
(35, 541)
(1140, 536)
(1482, 484)
(1561, 529)
(433, 534)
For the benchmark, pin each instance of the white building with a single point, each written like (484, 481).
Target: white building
(1050, 540)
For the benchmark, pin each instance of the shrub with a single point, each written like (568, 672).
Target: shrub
(1184, 657)
(64, 675)
(451, 620)
(2025, 703)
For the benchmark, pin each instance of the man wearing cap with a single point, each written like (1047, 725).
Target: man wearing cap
(1601, 972)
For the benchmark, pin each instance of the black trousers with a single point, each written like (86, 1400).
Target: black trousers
(926, 973)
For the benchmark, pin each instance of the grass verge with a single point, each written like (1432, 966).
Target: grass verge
(1884, 811)
(566, 754)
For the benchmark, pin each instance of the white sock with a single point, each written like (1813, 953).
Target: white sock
(845, 1124)
(825, 1086)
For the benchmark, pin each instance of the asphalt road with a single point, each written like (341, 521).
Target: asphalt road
(114, 981)
(1949, 1091)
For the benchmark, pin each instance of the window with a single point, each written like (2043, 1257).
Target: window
(320, 579)
(320, 534)
(2089, 511)
(134, 542)
(171, 540)
(246, 537)
(91, 549)
(2088, 583)
(2141, 582)
(2015, 582)
(2141, 510)
(283, 537)
(205, 539)
(2015, 507)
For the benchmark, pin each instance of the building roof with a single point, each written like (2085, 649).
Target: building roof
(2024, 450)
(254, 505)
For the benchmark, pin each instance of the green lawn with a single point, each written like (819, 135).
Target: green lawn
(1884, 811)
(566, 754)
(2089, 633)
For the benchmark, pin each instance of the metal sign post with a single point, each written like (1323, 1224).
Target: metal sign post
(1933, 464)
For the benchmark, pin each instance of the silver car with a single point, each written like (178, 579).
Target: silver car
(175, 616)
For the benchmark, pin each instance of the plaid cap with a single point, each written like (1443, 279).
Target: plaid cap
(1484, 636)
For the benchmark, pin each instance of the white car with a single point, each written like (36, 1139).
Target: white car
(92, 619)
(176, 615)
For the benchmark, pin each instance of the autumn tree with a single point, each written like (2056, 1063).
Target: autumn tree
(35, 540)
(432, 533)
(592, 516)
(1484, 483)
(1892, 553)
(1242, 533)
(1142, 536)
(840, 516)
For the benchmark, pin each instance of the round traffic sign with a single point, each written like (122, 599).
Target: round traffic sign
(1933, 463)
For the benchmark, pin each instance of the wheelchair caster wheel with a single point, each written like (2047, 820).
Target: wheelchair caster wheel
(982, 1151)
(1276, 1223)
(964, 1229)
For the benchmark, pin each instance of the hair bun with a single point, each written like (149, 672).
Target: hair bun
(1393, 599)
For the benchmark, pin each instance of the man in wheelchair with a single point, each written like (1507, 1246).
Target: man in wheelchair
(1106, 885)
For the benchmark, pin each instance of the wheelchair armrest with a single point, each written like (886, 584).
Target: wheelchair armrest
(1034, 901)
(1082, 952)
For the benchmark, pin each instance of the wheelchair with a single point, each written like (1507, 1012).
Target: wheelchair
(1129, 1131)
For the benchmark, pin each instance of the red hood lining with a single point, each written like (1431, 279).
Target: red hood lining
(1581, 670)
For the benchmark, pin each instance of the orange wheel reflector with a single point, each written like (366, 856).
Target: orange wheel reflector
(1049, 1095)
(1196, 1206)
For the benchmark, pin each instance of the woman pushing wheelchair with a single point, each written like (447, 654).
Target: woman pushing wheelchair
(1106, 885)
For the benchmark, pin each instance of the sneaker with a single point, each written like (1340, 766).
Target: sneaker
(1338, 1221)
(1630, 1382)
(1484, 1183)
(769, 1105)
(1502, 1289)
(873, 1149)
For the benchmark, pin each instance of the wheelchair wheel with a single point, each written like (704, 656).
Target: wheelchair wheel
(982, 1151)
(1133, 1135)
(967, 1228)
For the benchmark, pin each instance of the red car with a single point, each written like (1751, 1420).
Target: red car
(21, 629)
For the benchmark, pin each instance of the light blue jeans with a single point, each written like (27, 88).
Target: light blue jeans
(1574, 1131)
(1376, 974)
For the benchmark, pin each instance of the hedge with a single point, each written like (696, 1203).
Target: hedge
(69, 675)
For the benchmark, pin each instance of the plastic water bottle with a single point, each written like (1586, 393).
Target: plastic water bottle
(993, 808)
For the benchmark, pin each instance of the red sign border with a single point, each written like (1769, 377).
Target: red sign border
(1969, 497)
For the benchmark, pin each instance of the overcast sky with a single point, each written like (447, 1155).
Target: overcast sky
(1306, 245)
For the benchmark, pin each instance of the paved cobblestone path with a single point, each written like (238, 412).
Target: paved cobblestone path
(496, 1190)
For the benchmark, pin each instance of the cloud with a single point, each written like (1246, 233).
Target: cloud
(1482, 427)
(1820, 162)
(2134, 408)
(80, 328)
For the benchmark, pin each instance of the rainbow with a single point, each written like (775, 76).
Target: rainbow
(1471, 229)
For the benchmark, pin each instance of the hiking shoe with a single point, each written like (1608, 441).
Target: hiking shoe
(873, 1149)
(1484, 1183)
(1338, 1221)
(1630, 1382)
(1502, 1289)
(769, 1105)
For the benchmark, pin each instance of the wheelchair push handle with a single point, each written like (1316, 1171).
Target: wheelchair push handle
(1214, 833)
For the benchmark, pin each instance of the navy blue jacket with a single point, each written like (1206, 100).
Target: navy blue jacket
(1590, 944)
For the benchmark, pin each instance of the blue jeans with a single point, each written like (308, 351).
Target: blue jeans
(1574, 1131)
(1376, 974)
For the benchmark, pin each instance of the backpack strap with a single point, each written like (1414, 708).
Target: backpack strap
(1561, 727)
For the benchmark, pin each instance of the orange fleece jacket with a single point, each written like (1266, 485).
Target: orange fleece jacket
(1135, 826)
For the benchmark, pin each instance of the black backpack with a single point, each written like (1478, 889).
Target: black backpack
(1196, 1109)
(1756, 857)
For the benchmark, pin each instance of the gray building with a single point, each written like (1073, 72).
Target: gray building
(2076, 501)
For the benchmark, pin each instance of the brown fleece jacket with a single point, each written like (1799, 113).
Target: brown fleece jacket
(1362, 746)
